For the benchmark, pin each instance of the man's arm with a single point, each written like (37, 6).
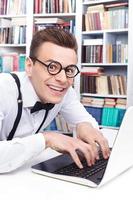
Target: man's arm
(18, 151)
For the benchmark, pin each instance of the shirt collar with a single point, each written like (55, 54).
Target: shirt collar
(29, 95)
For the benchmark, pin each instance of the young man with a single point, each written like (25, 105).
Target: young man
(50, 71)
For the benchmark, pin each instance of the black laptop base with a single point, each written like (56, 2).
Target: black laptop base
(64, 165)
(94, 173)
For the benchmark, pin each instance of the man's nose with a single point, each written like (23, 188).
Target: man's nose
(61, 76)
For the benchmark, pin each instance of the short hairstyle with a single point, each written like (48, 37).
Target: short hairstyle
(56, 36)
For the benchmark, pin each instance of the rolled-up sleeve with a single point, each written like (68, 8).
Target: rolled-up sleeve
(74, 112)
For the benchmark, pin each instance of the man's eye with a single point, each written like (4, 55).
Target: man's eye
(53, 67)
(70, 70)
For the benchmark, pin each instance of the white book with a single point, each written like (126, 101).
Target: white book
(5, 23)
(21, 21)
(92, 69)
(52, 20)
(98, 41)
(7, 63)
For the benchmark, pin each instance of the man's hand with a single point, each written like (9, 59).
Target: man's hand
(85, 143)
(67, 144)
(94, 137)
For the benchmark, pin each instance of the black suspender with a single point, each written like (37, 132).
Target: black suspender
(45, 116)
(20, 105)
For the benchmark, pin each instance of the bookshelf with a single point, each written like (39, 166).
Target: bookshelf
(13, 25)
(104, 82)
(97, 41)
(130, 60)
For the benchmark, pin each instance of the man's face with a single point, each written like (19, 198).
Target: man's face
(51, 88)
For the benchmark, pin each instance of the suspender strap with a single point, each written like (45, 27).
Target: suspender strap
(20, 104)
(45, 116)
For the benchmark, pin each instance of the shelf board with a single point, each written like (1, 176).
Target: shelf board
(100, 32)
(12, 16)
(101, 95)
(104, 64)
(109, 127)
(121, 30)
(96, 32)
(91, 2)
(55, 15)
(12, 45)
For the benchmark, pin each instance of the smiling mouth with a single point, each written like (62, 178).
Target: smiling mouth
(56, 88)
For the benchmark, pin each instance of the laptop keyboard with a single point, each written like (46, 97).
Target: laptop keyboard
(87, 171)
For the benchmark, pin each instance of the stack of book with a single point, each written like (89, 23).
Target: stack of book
(53, 6)
(12, 7)
(12, 62)
(106, 111)
(45, 22)
(103, 84)
(13, 31)
(117, 52)
(93, 50)
(99, 17)
(112, 116)
(94, 106)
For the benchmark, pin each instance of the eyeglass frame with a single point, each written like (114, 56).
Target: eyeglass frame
(61, 68)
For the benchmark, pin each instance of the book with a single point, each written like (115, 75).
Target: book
(7, 63)
(102, 85)
(94, 17)
(116, 5)
(1, 68)
(92, 71)
(5, 22)
(96, 112)
(50, 20)
(22, 58)
(97, 41)
(10, 62)
(112, 116)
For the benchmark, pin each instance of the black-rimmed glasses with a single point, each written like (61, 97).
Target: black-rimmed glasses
(55, 67)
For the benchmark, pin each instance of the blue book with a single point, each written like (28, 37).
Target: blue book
(112, 116)
(96, 112)
(107, 116)
(22, 58)
(1, 68)
(121, 113)
(53, 125)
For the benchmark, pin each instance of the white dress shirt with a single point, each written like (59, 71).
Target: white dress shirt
(26, 144)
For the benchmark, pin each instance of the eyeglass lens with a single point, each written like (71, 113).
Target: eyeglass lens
(55, 68)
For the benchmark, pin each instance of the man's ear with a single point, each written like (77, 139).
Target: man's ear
(28, 66)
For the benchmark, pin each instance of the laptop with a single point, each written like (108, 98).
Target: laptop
(121, 159)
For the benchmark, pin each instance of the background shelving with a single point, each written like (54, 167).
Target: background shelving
(74, 15)
(12, 35)
(104, 45)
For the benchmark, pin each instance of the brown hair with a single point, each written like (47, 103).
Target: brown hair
(57, 36)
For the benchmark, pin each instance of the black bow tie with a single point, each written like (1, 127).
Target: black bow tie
(39, 106)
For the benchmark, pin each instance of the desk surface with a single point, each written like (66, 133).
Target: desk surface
(23, 184)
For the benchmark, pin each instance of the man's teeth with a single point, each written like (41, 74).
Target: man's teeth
(56, 88)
